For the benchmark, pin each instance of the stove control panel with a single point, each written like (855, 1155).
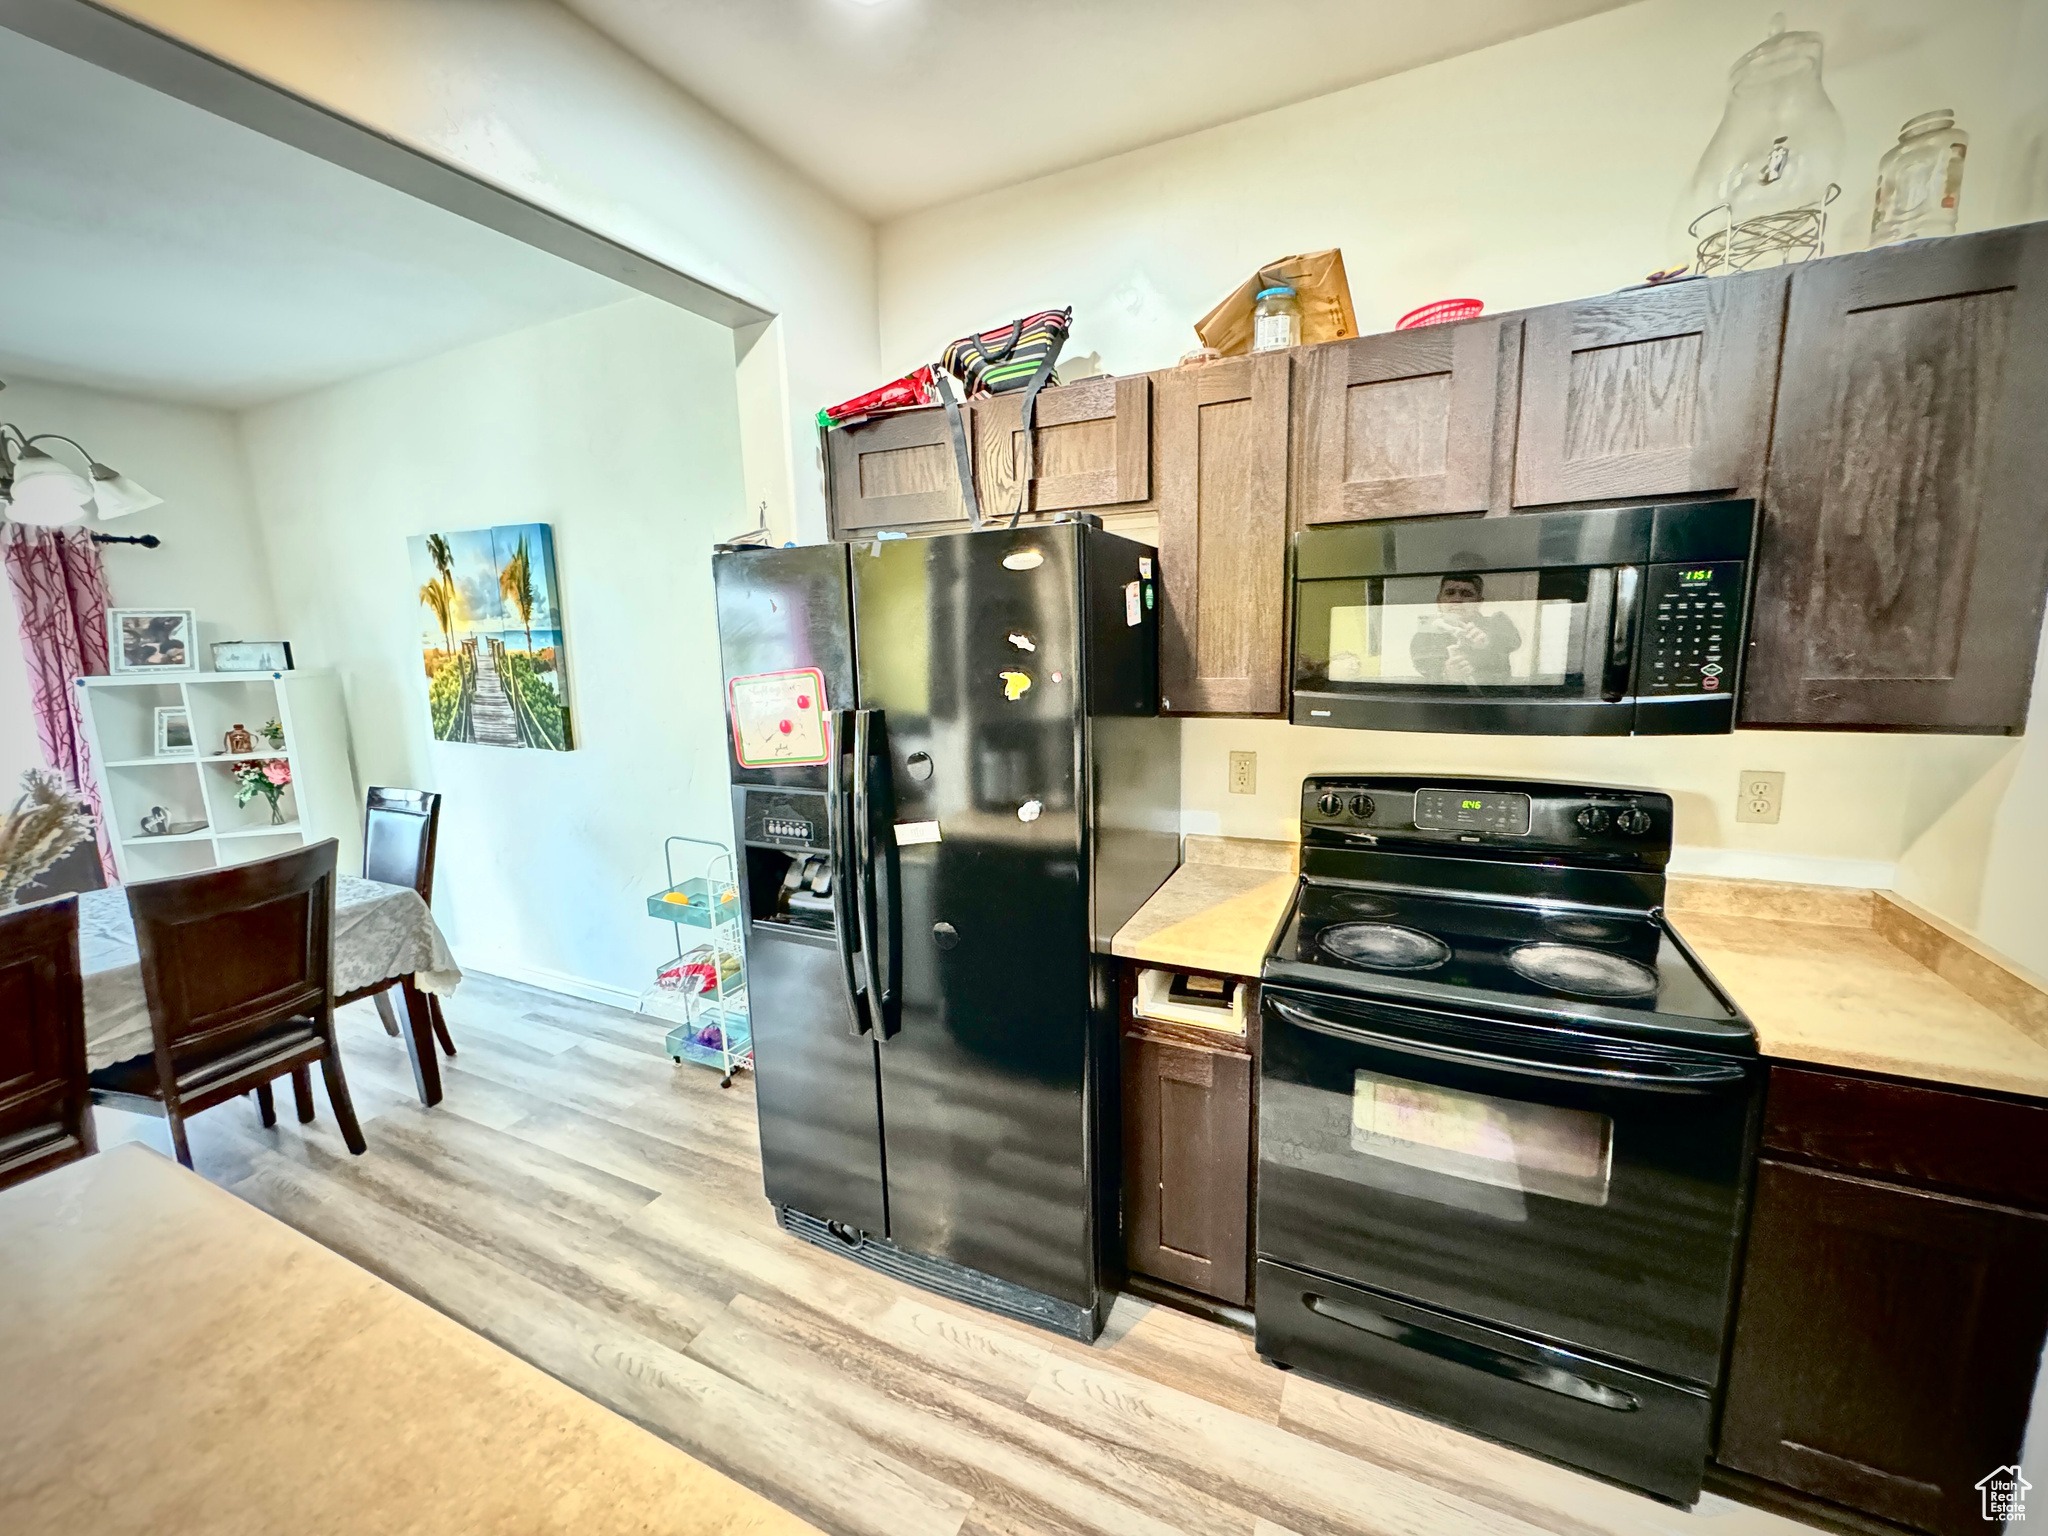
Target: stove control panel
(1472, 810)
(1520, 819)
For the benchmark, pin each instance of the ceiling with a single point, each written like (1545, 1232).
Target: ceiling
(152, 248)
(900, 104)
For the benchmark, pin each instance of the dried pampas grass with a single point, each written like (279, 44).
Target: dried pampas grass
(45, 824)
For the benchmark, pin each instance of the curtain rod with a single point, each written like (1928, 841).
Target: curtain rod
(146, 540)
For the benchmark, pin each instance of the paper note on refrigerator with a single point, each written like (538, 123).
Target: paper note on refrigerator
(778, 718)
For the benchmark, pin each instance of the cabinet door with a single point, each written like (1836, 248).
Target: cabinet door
(1904, 549)
(1399, 425)
(1653, 392)
(1187, 1166)
(1221, 435)
(896, 471)
(1885, 1344)
(1091, 445)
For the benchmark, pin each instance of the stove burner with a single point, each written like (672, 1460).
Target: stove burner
(1368, 906)
(1585, 972)
(1384, 946)
(1591, 930)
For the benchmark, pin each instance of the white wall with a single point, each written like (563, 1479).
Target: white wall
(620, 428)
(525, 95)
(211, 559)
(1540, 170)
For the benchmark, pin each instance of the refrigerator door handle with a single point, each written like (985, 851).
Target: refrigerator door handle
(867, 895)
(843, 836)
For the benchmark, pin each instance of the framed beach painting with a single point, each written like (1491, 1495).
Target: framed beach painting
(491, 636)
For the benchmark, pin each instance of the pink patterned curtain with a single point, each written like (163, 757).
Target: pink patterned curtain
(60, 595)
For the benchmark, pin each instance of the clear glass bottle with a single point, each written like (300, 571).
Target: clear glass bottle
(1759, 196)
(1920, 180)
(1276, 319)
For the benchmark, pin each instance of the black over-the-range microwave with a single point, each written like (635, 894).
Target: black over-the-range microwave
(1624, 621)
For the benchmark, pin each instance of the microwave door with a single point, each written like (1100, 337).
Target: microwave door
(1528, 651)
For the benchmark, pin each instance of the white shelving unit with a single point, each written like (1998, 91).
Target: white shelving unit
(321, 801)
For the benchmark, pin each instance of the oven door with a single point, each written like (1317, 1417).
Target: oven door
(1585, 1191)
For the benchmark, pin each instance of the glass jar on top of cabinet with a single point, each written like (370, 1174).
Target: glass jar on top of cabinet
(1276, 319)
(1920, 180)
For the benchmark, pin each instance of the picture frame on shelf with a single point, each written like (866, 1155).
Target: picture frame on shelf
(152, 642)
(252, 655)
(174, 732)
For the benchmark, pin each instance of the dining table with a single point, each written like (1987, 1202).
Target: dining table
(383, 935)
(175, 1361)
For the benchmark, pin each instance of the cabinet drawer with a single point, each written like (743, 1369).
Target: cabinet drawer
(1990, 1148)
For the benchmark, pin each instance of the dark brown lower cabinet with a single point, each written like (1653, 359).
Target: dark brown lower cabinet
(1886, 1341)
(1187, 1164)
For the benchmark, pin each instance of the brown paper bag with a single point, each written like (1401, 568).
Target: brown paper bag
(1317, 279)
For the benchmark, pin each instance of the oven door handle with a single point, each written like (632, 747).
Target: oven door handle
(1684, 1076)
(1621, 636)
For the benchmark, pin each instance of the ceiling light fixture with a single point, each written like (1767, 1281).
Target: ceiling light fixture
(37, 487)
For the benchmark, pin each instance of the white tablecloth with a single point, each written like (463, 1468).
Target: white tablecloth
(381, 932)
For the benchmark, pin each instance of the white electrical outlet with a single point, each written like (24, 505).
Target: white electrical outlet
(1759, 796)
(1244, 773)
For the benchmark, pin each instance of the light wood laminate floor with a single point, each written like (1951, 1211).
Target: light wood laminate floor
(596, 1209)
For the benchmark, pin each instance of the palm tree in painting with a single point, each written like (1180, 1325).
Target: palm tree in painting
(515, 582)
(439, 595)
(442, 555)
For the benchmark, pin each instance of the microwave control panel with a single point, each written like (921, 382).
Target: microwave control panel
(1692, 628)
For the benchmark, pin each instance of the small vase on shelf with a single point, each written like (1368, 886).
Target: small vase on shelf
(276, 814)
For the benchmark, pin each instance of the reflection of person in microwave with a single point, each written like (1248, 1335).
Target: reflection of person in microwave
(1461, 642)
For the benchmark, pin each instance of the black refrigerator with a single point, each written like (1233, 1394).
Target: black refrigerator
(951, 786)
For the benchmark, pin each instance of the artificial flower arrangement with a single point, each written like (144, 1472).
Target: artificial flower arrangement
(42, 827)
(267, 778)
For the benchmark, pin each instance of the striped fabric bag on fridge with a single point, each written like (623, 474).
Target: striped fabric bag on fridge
(1018, 356)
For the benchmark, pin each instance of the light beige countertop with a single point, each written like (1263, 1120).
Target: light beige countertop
(1219, 910)
(1833, 976)
(173, 1360)
(1866, 980)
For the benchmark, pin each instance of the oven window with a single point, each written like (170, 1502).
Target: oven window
(1536, 1149)
(1510, 632)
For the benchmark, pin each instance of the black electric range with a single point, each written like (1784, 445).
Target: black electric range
(1506, 1122)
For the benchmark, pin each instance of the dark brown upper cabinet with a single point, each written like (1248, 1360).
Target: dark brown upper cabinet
(1904, 548)
(1091, 444)
(896, 471)
(1220, 441)
(1399, 425)
(1649, 392)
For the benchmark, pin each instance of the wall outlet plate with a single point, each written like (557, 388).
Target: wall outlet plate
(1244, 773)
(1759, 796)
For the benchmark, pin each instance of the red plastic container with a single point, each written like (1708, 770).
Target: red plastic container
(1440, 313)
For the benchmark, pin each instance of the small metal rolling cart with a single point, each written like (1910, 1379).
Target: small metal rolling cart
(703, 991)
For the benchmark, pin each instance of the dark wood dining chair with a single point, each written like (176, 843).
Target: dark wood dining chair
(45, 1106)
(400, 827)
(238, 970)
